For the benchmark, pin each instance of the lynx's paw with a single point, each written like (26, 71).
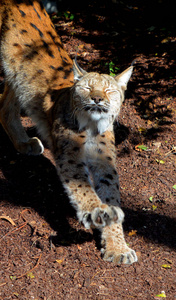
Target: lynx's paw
(103, 216)
(127, 256)
(33, 147)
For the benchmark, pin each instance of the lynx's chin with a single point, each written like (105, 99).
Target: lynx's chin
(96, 121)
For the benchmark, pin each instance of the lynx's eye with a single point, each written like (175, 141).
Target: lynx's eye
(85, 88)
(112, 94)
(111, 91)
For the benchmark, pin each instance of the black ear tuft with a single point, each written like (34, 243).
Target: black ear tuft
(77, 70)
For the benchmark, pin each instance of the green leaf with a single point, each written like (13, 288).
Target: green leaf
(112, 74)
(13, 277)
(162, 295)
(142, 147)
(72, 17)
(112, 68)
(174, 186)
(66, 15)
(151, 199)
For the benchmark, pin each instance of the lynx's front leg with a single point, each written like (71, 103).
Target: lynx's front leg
(106, 183)
(114, 247)
(103, 167)
(75, 176)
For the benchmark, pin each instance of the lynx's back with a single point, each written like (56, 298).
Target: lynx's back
(31, 52)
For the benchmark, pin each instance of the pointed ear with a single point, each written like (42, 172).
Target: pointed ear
(124, 77)
(78, 71)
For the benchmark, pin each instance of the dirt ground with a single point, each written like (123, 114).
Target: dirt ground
(45, 253)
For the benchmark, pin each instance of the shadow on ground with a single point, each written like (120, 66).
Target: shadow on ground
(32, 182)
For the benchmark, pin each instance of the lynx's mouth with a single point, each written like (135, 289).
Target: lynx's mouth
(96, 108)
(94, 117)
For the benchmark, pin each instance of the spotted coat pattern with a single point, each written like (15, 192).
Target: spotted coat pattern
(74, 113)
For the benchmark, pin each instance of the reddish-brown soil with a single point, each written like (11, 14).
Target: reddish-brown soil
(44, 252)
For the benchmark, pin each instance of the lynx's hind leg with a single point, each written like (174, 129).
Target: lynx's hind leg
(10, 120)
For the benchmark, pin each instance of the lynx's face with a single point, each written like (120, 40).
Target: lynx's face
(97, 98)
(95, 94)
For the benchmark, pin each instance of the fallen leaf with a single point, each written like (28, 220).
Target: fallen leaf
(132, 232)
(81, 46)
(151, 199)
(162, 295)
(174, 186)
(149, 122)
(166, 40)
(13, 277)
(85, 53)
(142, 129)
(166, 266)
(79, 247)
(154, 207)
(59, 261)
(30, 275)
(160, 161)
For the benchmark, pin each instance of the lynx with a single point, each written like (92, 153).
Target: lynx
(74, 112)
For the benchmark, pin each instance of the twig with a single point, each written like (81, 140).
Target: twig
(12, 231)
(23, 211)
(8, 219)
(1, 284)
(31, 269)
(95, 274)
(173, 151)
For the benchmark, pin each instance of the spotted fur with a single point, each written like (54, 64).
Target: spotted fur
(74, 112)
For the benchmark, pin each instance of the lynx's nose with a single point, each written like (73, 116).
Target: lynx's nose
(97, 99)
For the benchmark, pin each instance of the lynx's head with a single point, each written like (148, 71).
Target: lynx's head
(97, 98)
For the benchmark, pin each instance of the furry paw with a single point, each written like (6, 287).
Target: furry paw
(103, 216)
(127, 256)
(33, 147)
